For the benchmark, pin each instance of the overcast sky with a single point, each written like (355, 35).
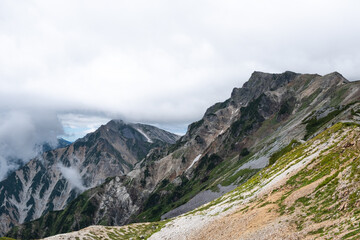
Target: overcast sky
(159, 62)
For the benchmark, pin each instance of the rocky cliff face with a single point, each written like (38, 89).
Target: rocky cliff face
(232, 142)
(309, 192)
(50, 181)
(236, 138)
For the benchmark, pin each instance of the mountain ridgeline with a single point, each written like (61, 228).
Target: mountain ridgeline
(49, 182)
(266, 118)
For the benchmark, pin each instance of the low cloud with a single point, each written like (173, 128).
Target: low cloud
(22, 134)
(78, 125)
(72, 175)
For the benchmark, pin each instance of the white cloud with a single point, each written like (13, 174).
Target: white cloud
(127, 57)
(21, 133)
(73, 176)
(78, 125)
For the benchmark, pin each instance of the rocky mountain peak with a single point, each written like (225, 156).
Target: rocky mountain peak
(113, 124)
(50, 182)
(335, 77)
(261, 81)
(116, 122)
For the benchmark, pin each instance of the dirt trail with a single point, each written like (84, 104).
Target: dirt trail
(257, 221)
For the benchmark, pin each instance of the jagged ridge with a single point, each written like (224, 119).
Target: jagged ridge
(232, 142)
(309, 192)
(46, 182)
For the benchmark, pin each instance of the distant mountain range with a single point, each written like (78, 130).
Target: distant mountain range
(129, 176)
(51, 180)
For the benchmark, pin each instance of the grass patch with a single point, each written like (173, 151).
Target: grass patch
(351, 234)
(318, 231)
(275, 156)
(314, 124)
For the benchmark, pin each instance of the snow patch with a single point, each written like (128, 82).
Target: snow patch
(195, 160)
(146, 136)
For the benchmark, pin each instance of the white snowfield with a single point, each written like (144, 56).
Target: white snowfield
(195, 160)
(144, 134)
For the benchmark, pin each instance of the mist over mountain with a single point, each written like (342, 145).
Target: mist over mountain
(234, 143)
(54, 178)
(22, 135)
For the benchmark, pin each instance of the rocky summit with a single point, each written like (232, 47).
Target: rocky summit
(277, 160)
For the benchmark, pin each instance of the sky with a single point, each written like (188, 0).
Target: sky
(74, 65)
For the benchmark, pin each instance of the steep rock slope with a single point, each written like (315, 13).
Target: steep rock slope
(309, 192)
(236, 138)
(231, 143)
(52, 180)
